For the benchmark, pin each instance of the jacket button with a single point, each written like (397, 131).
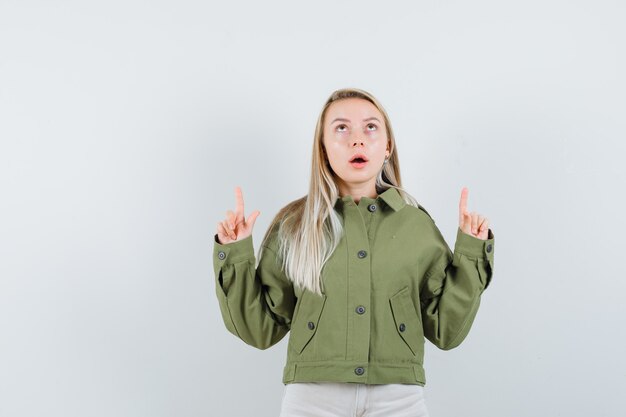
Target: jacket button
(360, 309)
(359, 371)
(372, 207)
(489, 247)
(221, 255)
(311, 325)
(402, 327)
(362, 254)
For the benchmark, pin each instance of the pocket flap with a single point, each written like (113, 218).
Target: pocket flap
(307, 320)
(408, 324)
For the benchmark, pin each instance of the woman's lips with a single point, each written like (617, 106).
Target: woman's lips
(358, 164)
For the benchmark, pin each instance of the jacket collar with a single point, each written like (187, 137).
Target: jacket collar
(391, 197)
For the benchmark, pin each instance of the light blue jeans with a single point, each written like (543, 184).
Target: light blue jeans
(337, 399)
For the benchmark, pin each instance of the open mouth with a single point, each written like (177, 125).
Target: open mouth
(358, 160)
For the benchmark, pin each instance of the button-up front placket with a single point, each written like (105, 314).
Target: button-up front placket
(359, 276)
(358, 222)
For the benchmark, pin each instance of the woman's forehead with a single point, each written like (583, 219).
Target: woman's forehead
(352, 109)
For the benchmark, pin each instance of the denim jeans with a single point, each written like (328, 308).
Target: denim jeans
(337, 399)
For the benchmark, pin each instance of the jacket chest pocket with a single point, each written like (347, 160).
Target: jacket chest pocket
(306, 321)
(407, 321)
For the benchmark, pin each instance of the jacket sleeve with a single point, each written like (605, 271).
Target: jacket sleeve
(256, 303)
(452, 286)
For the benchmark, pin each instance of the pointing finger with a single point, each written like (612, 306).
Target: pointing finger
(239, 204)
(463, 204)
(466, 224)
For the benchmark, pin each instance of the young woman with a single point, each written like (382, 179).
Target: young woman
(356, 270)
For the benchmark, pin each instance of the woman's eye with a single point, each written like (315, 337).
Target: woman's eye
(340, 126)
(372, 126)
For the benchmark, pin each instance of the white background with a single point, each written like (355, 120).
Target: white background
(126, 125)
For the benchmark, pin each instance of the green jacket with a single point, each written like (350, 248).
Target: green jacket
(391, 282)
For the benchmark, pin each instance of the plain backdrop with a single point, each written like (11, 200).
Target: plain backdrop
(126, 125)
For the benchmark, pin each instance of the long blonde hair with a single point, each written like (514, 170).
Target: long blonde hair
(309, 228)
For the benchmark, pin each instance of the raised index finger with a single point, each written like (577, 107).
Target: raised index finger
(239, 204)
(463, 202)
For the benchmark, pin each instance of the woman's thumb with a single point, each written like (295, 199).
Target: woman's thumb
(252, 218)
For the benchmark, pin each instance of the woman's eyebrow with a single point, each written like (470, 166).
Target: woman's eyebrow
(340, 119)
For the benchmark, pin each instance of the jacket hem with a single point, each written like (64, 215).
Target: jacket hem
(373, 373)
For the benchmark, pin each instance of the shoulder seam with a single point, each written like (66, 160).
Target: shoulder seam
(424, 210)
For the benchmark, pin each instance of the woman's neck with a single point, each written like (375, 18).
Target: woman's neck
(357, 191)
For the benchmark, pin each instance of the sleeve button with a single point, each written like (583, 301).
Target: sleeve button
(402, 327)
(489, 247)
(221, 254)
(311, 325)
(359, 371)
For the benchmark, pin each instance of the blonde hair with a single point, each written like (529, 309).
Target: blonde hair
(309, 228)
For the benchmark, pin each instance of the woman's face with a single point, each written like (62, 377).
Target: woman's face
(355, 126)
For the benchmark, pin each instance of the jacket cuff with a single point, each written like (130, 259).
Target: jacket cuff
(474, 247)
(230, 253)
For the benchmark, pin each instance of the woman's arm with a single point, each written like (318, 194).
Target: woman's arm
(256, 303)
(451, 288)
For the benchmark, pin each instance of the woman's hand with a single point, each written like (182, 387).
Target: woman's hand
(472, 223)
(236, 227)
